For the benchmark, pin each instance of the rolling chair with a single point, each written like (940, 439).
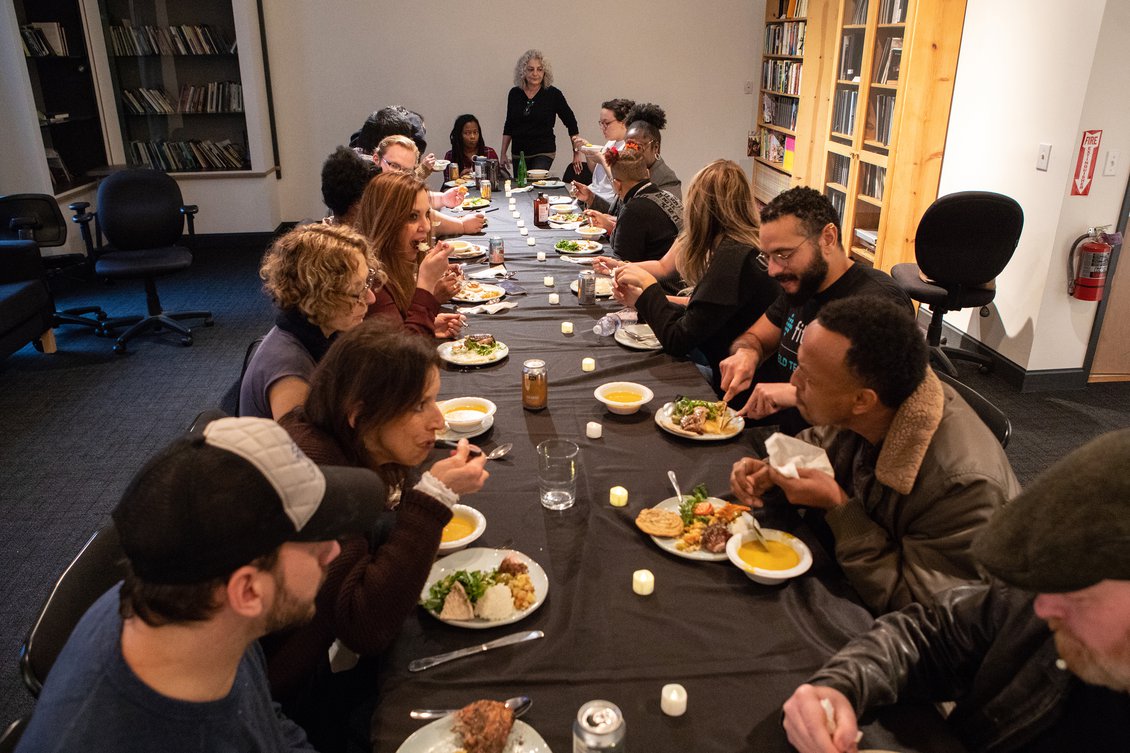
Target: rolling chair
(963, 242)
(12, 734)
(36, 217)
(993, 416)
(141, 213)
(98, 566)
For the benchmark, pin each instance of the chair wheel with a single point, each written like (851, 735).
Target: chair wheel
(120, 348)
(186, 341)
(102, 316)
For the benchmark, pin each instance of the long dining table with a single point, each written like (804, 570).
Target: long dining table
(738, 647)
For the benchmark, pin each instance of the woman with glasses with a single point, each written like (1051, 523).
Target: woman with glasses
(467, 143)
(398, 154)
(322, 279)
(613, 127)
(717, 253)
(396, 216)
(532, 108)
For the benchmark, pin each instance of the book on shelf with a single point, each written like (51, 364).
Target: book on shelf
(859, 17)
(892, 56)
(185, 39)
(867, 238)
(55, 35)
(790, 153)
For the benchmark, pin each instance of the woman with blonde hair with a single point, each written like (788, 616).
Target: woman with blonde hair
(321, 278)
(396, 216)
(532, 107)
(716, 252)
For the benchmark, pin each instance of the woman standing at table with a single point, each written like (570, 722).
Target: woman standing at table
(532, 108)
(467, 143)
(396, 216)
(360, 412)
(322, 279)
(716, 252)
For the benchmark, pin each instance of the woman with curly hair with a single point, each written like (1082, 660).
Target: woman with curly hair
(321, 278)
(716, 252)
(467, 143)
(396, 216)
(532, 107)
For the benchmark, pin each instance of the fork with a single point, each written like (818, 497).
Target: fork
(640, 338)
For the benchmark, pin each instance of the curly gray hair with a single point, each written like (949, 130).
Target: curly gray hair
(520, 68)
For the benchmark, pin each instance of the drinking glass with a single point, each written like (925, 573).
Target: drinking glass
(557, 473)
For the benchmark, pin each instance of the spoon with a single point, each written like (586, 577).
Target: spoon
(518, 704)
(675, 486)
(498, 452)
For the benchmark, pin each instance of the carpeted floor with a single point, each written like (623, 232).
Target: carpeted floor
(79, 423)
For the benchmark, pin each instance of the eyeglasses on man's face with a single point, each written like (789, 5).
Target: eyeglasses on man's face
(782, 257)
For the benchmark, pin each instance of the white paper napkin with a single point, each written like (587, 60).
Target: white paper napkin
(786, 454)
(487, 308)
(578, 259)
(489, 273)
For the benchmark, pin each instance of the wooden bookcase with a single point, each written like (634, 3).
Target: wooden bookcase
(878, 152)
(60, 76)
(779, 96)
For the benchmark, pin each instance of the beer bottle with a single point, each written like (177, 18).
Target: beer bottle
(520, 178)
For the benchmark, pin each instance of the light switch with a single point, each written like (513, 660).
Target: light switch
(1044, 157)
(1110, 167)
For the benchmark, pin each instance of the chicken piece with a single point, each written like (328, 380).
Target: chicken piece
(714, 538)
(512, 566)
(481, 339)
(457, 605)
(484, 726)
(695, 420)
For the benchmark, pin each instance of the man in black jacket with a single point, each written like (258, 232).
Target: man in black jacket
(1060, 556)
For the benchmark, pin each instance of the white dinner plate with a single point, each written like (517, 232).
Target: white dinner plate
(471, 359)
(663, 419)
(586, 247)
(671, 504)
(475, 203)
(454, 436)
(643, 331)
(468, 184)
(484, 293)
(440, 737)
(603, 287)
(472, 251)
(547, 184)
(481, 558)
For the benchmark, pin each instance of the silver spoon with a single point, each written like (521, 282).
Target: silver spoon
(518, 704)
(498, 452)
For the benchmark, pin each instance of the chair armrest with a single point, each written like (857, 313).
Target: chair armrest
(83, 218)
(189, 211)
(78, 206)
(19, 261)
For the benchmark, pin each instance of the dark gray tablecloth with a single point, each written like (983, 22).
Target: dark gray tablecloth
(739, 648)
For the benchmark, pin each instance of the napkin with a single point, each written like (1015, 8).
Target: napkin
(489, 273)
(487, 308)
(786, 454)
(578, 259)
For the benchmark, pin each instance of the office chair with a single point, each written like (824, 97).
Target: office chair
(36, 217)
(993, 416)
(141, 213)
(11, 735)
(98, 566)
(963, 242)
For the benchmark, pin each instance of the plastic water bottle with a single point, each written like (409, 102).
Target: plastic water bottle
(609, 323)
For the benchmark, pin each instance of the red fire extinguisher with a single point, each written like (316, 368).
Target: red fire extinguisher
(1088, 272)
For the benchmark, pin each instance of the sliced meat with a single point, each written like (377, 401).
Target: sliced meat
(714, 537)
(484, 726)
(457, 606)
(512, 566)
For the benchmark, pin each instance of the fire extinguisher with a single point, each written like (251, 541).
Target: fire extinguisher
(1088, 273)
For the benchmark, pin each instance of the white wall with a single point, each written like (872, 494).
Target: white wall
(1031, 72)
(22, 170)
(334, 63)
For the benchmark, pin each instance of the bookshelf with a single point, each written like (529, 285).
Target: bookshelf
(888, 91)
(54, 47)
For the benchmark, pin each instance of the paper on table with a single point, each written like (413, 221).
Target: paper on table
(487, 308)
(786, 454)
(489, 273)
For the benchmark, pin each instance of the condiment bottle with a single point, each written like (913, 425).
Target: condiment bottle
(541, 211)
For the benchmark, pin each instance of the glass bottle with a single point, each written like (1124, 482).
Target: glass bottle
(520, 178)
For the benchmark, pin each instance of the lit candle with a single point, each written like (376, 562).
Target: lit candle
(513, 201)
(506, 185)
(547, 281)
(643, 582)
(522, 230)
(530, 241)
(516, 214)
(554, 299)
(520, 223)
(566, 328)
(509, 193)
(541, 255)
(593, 430)
(617, 496)
(588, 364)
(673, 700)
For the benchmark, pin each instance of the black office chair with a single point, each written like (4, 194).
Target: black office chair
(11, 735)
(141, 213)
(99, 565)
(963, 242)
(993, 416)
(36, 217)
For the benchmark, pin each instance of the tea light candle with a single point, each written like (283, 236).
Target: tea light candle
(547, 281)
(530, 241)
(643, 582)
(522, 230)
(509, 194)
(566, 328)
(520, 223)
(673, 699)
(516, 214)
(593, 430)
(554, 299)
(541, 255)
(588, 364)
(618, 496)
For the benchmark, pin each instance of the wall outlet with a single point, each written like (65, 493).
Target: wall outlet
(1044, 157)
(749, 87)
(1110, 167)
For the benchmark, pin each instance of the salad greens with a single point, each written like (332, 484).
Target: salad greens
(475, 583)
(477, 347)
(684, 406)
(686, 509)
(567, 245)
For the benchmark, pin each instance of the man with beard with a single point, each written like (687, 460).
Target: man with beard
(800, 244)
(1060, 557)
(226, 535)
(916, 472)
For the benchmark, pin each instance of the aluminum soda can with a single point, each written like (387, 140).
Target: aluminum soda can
(497, 250)
(599, 728)
(586, 287)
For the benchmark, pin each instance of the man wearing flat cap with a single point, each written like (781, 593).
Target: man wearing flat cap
(227, 535)
(1037, 660)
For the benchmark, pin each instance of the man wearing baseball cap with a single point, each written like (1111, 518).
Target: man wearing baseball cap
(227, 534)
(1038, 660)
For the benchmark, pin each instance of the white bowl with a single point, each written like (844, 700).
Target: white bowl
(441, 164)
(761, 575)
(537, 174)
(561, 208)
(621, 408)
(465, 414)
(590, 231)
(471, 514)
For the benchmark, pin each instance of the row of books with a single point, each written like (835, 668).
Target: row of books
(779, 111)
(44, 39)
(217, 96)
(792, 8)
(179, 156)
(892, 11)
(859, 15)
(843, 110)
(884, 115)
(781, 76)
(185, 39)
(890, 55)
(839, 167)
(851, 55)
(871, 181)
(839, 201)
(785, 39)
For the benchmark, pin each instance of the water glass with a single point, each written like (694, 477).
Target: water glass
(557, 473)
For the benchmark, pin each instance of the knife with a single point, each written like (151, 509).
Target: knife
(417, 665)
